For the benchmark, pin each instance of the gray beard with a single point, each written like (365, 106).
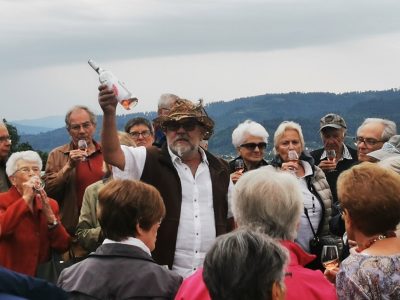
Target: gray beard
(182, 149)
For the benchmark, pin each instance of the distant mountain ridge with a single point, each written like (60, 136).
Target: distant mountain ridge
(269, 110)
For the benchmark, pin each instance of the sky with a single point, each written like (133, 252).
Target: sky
(216, 50)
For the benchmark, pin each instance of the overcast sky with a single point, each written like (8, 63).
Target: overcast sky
(216, 50)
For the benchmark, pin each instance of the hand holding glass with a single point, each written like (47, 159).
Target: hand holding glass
(38, 183)
(330, 257)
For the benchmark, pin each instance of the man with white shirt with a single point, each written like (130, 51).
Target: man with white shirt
(194, 184)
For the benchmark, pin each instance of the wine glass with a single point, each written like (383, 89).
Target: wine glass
(331, 156)
(292, 156)
(82, 145)
(239, 164)
(330, 257)
(38, 183)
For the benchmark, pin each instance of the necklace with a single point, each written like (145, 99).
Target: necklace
(372, 241)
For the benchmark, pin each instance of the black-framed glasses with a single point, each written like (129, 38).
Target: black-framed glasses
(187, 125)
(367, 141)
(136, 134)
(252, 146)
(5, 138)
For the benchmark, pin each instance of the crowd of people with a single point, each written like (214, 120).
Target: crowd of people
(150, 213)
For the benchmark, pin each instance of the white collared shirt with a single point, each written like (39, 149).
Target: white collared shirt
(345, 155)
(196, 231)
(130, 241)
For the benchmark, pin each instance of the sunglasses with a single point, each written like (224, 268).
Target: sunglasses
(252, 146)
(187, 125)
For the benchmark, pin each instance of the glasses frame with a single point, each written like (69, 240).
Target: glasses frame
(77, 127)
(5, 138)
(145, 134)
(253, 146)
(28, 170)
(367, 141)
(187, 125)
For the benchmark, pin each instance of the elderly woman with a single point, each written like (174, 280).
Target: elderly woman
(250, 140)
(227, 273)
(370, 200)
(317, 196)
(270, 201)
(29, 221)
(130, 213)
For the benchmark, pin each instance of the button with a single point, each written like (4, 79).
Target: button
(197, 233)
(197, 251)
(195, 216)
(195, 200)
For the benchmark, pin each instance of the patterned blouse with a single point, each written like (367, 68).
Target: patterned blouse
(369, 277)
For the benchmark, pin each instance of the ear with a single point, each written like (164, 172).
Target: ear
(12, 180)
(278, 291)
(139, 231)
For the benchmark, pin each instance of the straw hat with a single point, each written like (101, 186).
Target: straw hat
(184, 109)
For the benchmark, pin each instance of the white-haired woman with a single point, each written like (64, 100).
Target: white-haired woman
(250, 140)
(29, 220)
(317, 196)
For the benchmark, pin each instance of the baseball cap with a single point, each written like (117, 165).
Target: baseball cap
(389, 149)
(332, 120)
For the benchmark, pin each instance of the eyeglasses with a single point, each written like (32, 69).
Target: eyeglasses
(367, 141)
(77, 127)
(187, 125)
(27, 170)
(136, 134)
(5, 138)
(252, 146)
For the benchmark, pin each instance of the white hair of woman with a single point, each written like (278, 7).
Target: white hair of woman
(30, 156)
(280, 131)
(247, 128)
(269, 199)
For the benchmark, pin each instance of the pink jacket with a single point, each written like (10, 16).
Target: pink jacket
(301, 283)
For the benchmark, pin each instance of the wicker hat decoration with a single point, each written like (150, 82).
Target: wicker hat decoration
(185, 109)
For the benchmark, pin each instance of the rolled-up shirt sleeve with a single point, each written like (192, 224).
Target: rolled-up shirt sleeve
(135, 157)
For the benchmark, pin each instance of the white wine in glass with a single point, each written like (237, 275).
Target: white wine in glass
(82, 145)
(330, 257)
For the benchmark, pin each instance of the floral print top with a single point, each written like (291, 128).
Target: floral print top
(369, 277)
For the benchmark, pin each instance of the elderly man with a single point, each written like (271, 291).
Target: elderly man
(333, 131)
(5, 146)
(194, 184)
(69, 170)
(371, 135)
(141, 131)
(164, 105)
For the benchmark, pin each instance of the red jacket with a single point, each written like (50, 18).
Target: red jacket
(301, 283)
(25, 239)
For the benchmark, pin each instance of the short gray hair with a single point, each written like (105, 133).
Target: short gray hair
(244, 265)
(280, 131)
(246, 128)
(269, 199)
(92, 116)
(167, 100)
(31, 156)
(389, 129)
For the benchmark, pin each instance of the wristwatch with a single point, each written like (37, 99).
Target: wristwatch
(52, 225)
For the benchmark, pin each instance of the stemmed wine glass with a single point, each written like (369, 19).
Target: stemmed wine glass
(330, 257)
(38, 183)
(239, 165)
(82, 145)
(331, 156)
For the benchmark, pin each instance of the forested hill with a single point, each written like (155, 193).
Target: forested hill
(270, 110)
